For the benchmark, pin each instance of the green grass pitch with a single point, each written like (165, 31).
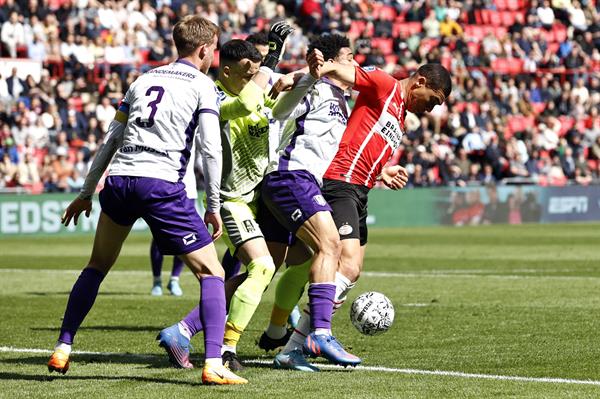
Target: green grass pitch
(501, 302)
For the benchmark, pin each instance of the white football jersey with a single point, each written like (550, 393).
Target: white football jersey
(312, 134)
(164, 105)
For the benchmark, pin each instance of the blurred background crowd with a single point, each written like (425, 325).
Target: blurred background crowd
(524, 107)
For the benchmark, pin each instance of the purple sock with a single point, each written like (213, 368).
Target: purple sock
(156, 258)
(231, 264)
(177, 267)
(193, 322)
(320, 301)
(212, 314)
(80, 302)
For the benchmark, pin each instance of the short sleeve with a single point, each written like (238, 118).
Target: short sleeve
(373, 82)
(209, 98)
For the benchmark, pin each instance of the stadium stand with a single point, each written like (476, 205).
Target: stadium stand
(524, 106)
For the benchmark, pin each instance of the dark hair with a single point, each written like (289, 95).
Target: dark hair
(438, 77)
(329, 44)
(258, 38)
(236, 50)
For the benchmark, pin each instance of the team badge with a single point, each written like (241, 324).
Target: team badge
(319, 200)
(345, 229)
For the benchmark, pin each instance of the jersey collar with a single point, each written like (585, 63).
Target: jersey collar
(186, 62)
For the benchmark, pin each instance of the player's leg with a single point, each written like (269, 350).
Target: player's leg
(231, 264)
(175, 339)
(107, 245)
(289, 289)
(173, 285)
(296, 200)
(156, 260)
(179, 230)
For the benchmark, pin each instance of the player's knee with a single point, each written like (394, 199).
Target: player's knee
(331, 245)
(261, 270)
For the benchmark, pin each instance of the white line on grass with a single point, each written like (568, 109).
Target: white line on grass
(10, 349)
(424, 274)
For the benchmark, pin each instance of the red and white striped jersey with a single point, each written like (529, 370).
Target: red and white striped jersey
(374, 129)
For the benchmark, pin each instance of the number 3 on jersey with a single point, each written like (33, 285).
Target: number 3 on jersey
(149, 122)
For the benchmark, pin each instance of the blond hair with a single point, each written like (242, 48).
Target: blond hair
(191, 32)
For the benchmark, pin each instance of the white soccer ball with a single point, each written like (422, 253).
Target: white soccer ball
(372, 313)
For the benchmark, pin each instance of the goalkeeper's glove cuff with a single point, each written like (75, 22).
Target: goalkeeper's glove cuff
(270, 61)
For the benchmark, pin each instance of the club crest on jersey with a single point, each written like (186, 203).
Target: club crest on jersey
(319, 200)
(190, 239)
(345, 229)
(369, 68)
(297, 214)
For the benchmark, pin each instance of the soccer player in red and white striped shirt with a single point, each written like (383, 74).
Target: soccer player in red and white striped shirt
(373, 133)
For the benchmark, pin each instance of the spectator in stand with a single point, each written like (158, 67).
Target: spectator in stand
(12, 34)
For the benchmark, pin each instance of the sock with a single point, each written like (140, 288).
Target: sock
(156, 259)
(275, 331)
(228, 348)
(300, 332)
(184, 330)
(174, 278)
(213, 362)
(246, 298)
(66, 348)
(193, 322)
(157, 280)
(177, 268)
(80, 302)
(289, 291)
(321, 297)
(342, 286)
(231, 264)
(212, 314)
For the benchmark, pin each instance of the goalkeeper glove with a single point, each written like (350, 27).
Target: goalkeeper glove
(277, 35)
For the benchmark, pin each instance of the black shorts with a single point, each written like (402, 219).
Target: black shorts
(349, 204)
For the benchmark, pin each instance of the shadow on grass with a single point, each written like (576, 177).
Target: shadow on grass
(109, 293)
(107, 328)
(150, 361)
(49, 378)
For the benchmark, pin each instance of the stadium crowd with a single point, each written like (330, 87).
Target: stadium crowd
(524, 106)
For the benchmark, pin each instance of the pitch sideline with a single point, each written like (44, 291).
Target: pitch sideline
(458, 374)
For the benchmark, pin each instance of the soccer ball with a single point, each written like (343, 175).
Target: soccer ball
(372, 313)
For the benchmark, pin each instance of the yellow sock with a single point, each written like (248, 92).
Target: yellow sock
(279, 316)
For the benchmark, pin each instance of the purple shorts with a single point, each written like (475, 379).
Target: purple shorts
(171, 215)
(272, 230)
(293, 197)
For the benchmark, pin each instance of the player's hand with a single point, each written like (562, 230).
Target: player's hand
(74, 210)
(285, 83)
(277, 35)
(214, 220)
(394, 177)
(315, 61)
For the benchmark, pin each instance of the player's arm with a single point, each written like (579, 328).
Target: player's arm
(291, 102)
(112, 141)
(345, 73)
(208, 144)
(251, 95)
(245, 103)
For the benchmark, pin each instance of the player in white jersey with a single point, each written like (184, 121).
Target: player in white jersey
(151, 138)
(291, 189)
